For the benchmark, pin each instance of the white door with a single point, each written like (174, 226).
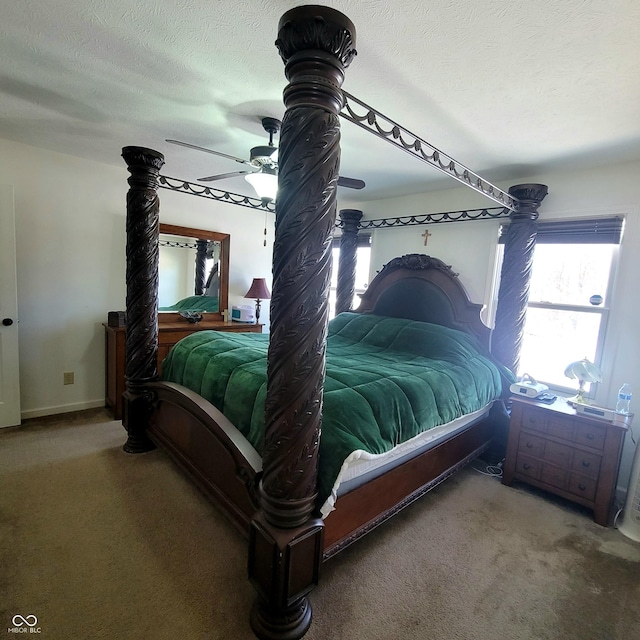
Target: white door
(9, 374)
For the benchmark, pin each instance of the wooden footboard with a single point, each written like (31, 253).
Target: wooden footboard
(206, 446)
(371, 504)
(220, 461)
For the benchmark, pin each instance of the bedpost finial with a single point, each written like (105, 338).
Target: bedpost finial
(317, 28)
(528, 198)
(143, 157)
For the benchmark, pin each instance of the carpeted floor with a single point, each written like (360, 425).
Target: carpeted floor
(99, 544)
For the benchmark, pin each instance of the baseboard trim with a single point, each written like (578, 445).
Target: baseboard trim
(65, 408)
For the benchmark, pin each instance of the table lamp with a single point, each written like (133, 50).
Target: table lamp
(258, 291)
(583, 371)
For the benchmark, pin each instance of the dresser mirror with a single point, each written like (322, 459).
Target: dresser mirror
(193, 272)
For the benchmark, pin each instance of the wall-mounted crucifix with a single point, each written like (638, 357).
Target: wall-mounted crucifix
(426, 236)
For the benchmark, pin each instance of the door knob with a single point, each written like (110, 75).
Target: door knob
(7, 322)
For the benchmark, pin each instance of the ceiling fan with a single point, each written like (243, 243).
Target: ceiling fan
(262, 167)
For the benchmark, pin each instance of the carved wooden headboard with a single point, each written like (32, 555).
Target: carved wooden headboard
(420, 287)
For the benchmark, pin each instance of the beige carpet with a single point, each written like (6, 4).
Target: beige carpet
(99, 544)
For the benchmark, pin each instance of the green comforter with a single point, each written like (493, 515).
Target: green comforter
(194, 303)
(387, 380)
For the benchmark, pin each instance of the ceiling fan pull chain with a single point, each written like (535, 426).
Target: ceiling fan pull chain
(265, 229)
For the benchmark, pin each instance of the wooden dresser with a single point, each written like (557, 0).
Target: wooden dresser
(574, 456)
(168, 334)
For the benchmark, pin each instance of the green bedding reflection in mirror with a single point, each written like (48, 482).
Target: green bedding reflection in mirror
(194, 303)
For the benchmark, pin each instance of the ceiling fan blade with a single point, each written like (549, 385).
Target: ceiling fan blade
(351, 183)
(215, 153)
(221, 176)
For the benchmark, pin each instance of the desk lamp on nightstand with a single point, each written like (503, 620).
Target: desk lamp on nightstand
(583, 371)
(258, 291)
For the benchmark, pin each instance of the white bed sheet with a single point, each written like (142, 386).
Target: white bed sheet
(362, 466)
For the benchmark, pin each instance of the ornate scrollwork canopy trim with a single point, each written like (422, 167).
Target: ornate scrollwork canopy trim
(466, 215)
(386, 129)
(418, 262)
(183, 186)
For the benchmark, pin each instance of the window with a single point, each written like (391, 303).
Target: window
(363, 259)
(570, 296)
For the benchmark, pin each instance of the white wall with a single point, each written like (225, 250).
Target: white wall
(470, 248)
(70, 245)
(475, 266)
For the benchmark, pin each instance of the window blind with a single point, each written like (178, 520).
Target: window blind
(605, 230)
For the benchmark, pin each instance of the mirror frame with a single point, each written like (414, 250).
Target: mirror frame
(225, 241)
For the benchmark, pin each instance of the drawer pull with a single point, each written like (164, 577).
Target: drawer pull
(529, 445)
(586, 463)
(581, 487)
(590, 436)
(526, 466)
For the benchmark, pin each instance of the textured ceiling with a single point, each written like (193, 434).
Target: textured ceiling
(507, 87)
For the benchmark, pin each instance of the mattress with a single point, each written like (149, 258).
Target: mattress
(361, 466)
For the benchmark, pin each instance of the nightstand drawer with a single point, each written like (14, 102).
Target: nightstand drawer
(528, 466)
(583, 486)
(555, 476)
(535, 421)
(591, 435)
(586, 463)
(559, 454)
(562, 428)
(531, 445)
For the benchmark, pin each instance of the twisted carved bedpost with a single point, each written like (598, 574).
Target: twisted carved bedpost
(286, 537)
(347, 262)
(141, 343)
(201, 266)
(513, 294)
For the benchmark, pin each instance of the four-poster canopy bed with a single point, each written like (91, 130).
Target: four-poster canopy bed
(272, 497)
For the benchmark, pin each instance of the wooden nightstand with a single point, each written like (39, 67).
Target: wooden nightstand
(573, 456)
(168, 334)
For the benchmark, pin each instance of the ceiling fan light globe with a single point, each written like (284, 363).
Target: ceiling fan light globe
(264, 184)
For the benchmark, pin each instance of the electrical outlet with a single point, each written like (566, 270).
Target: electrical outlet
(68, 377)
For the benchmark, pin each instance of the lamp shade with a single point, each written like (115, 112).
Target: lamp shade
(264, 182)
(258, 290)
(583, 370)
